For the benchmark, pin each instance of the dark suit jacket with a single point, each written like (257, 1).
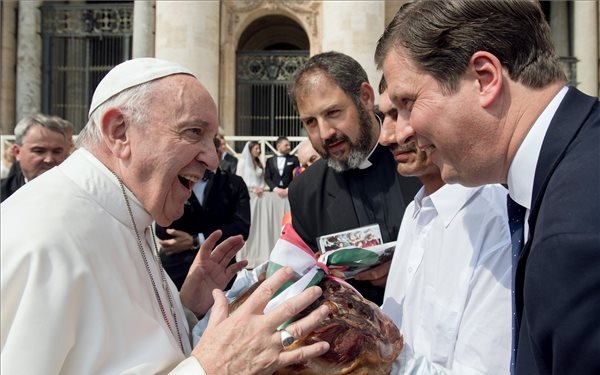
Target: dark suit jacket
(12, 182)
(229, 163)
(272, 176)
(323, 202)
(226, 207)
(558, 275)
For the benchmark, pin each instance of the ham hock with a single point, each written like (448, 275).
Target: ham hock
(363, 340)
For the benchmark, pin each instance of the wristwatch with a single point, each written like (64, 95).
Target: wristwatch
(195, 242)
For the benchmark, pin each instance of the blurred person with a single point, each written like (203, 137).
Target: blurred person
(279, 169)
(228, 162)
(8, 158)
(355, 183)
(40, 144)
(306, 155)
(219, 201)
(451, 270)
(492, 105)
(251, 169)
(68, 126)
(87, 286)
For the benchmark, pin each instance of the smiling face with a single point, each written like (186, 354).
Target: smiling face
(255, 150)
(41, 150)
(171, 150)
(340, 132)
(399, 136)
(452, 128)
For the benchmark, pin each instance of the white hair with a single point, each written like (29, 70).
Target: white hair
(133, 103)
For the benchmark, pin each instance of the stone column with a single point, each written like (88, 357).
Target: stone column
(585, 45)
(29, 59)
(7, 66)
(187, 32)
(348, 27)
(143, 28)
(559, 26)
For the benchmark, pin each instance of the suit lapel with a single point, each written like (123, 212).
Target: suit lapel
(566, 123)
(209, 185)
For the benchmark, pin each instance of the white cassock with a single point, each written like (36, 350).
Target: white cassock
(76, 295)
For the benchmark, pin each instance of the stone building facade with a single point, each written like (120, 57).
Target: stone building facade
(244, 52)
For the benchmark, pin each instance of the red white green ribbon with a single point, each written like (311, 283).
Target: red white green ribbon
(290, 250)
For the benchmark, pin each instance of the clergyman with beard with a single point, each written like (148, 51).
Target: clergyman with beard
(355, 183)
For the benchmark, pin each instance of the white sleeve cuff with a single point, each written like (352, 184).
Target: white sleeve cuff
(190, 366)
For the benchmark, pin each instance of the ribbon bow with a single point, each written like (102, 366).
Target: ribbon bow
(290, 250)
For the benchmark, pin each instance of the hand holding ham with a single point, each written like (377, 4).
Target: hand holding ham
(248, 342)
(376, 275)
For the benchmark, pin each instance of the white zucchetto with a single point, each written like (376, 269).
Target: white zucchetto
(132, 73)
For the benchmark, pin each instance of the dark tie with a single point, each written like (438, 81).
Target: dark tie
(208, 175)
(516, 221)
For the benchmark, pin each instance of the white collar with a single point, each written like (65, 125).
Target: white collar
(447, 200)
(367, 163)
(96, 179)
(522, 168)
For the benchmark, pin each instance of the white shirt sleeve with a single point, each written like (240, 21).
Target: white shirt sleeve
(188, 366)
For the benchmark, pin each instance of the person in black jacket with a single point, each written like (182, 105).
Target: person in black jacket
(483, 88)
(40, 144)
(279, 169)
(355, 183)
(228, 162)
(219, 201)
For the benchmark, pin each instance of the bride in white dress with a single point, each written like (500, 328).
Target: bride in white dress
(251, 169)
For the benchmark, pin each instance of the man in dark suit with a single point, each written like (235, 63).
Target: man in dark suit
(219, 201)
(228, 162)
(355, 183)
(491, 105)
(40, 144)
(279, 169)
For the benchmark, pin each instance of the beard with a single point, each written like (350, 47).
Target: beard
(359, 149)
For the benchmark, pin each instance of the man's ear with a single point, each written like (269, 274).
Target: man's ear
(367, 96)
(16, 152)
(114, 131)
(489, 75)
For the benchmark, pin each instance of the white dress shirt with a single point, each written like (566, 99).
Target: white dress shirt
(281, 164)
(76, 295)
(522, 168)
(449, 284)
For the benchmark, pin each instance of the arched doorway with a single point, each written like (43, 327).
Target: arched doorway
(269, 51)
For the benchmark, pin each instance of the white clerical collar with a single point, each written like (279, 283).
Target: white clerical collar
(522, 168)
(367, 163)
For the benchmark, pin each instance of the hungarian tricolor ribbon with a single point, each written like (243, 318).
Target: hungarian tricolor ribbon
(290, 250)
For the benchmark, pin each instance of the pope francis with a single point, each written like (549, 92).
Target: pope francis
(82, 289)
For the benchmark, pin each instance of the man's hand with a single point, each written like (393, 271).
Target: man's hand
(210, 270)
(247, 342)
(376, 275)
(181, 241)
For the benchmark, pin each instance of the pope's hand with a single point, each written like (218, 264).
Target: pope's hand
(210, 270)
(248, 342)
